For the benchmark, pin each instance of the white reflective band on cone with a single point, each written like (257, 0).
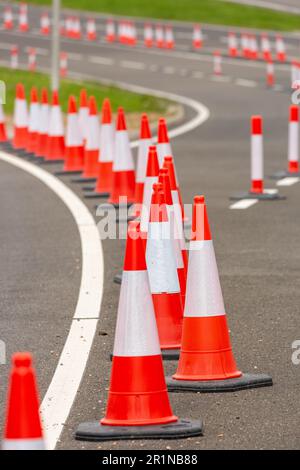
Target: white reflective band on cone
(1, 114)
(203, 291)
(163, 150)
(56, 128)
(178, 218)
(280, 46)
(23, 444)
(148, 189)
(160, 259)
(257, 171)
(107, 133)
(142, 160)
(83, 116)
(34, 117)
(44, 119)
(93, 133)
(20, 113)
(123, 157)
(73, 134)
(293, 142)
(136, 330)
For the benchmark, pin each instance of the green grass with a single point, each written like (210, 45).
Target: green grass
(132, 102)
(206, 11)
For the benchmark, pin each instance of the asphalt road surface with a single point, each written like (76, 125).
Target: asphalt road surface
(257, 249)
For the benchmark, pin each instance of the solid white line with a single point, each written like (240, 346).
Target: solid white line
(288, 181)
(243, 204)
(65, 382)
(129, 64)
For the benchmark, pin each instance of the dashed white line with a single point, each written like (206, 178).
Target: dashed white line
(246, 83)
(243, 204)
(129, 64)
(288, 181)
(168, 70)
(101, 60)
(221, 78)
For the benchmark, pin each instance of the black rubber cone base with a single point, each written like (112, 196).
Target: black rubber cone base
(51, 162)
(94, 431)
(94, 195)
(284, 174)
(80, 180)
(118, 278)
(66, 173)
(245, 382)
(170, 354)
(260, 197)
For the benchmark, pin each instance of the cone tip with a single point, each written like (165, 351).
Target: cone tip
(20, 91)
(22, 359)
(162, 131)
(72, 105)
(83, 98)
(121, 123)
(106, 111)
(93, 106)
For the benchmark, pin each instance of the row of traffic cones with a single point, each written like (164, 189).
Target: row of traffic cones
(250, 49)
(32, 60)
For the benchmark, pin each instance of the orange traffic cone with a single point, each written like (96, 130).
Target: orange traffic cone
(74, 142)
(45, 24)
(266, 47)
(34, 119)
(20, 119)
(138, 405)
(163, 276)
(163, 142)
(106, 155)
(152, 172)
(32, 59)
(42, 140)
(23, 430)
(55, 151)
(164, 179)
(206, 360)
(91, 34)
(148, 35)
(110, 31)
(169, 38)
(3, 135)
(144, 144)
(197, 37)
(123, 185)
(8, 18)
(23, 18)
(280, 49)
(91, 150)
(232, 45)
(83, 113)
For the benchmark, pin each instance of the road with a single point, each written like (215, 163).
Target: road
(257, 249)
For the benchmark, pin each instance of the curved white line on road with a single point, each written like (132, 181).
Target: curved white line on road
(63, 388)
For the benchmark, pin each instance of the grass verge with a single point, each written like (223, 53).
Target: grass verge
(206, 11)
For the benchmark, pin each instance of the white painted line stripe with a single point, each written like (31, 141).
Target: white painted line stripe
(243, 204)
(74, 56)
(63, 388)
(101, 60)
(271, 191)
(247, 83)
(222, 79)
(129, 64)
(288, 181)
(197, 74)
(168, 70)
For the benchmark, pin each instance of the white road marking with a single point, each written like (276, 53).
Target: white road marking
(101, 60)
(243, 204)
(74, 56)
(271, 191)
(65, 382)
(168, 69)
(221, 78)
(288, 181)
(129, 64)
(197, 74)
(38, 50)
(6, 46)
(247, 83)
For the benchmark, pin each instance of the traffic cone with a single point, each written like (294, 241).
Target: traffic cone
(132, 39)
(83, 113)
(110, 31)
(164, 179)
(152, 172)
(266, 47)
(245, 45)
(295, 76)
(270, 79)
(23, 18)
(76, 28)
(169, 38)
(293, 147)
(144, 144)
(45, 24)
(163, 275)
(257, 190)
(103, 186)
(69, 27)
(253, 47)
(232, 45)
(33, 123)
(23, 430)
(32, 59)
(8, 18)
(91, 34)
(74, 142)
(206, 362)
(91, 150)
(217, 64)
(159, 36)
(138, 405)
(63, 64)
(123, 183)
(148, 35)
(280, 49)
(163, 142)
(3, 135)
(55, 151)
(197, 37)
(14, 57)
(42, 140)
(20, 119)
